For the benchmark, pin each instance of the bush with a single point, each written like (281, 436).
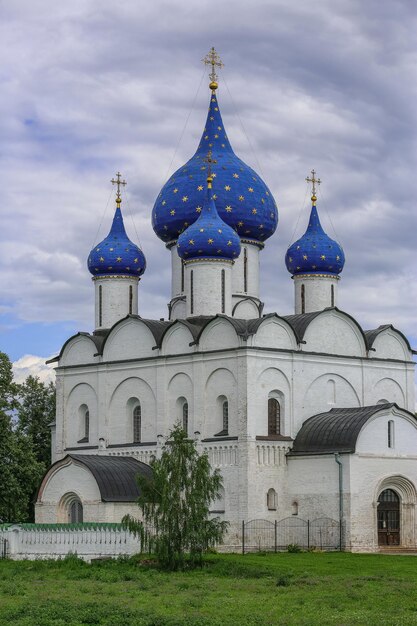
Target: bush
(294, 548)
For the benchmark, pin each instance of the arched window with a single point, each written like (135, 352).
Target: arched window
(331, 391)
(100, 305)
(274, 417)
(75, 512)
(332, 295)
(87, 425)
(84, 424)
(271, 500)
(390, 434)
(225, 411)
(137, 423)
(303, 299)
(185, 417)
(130, 299)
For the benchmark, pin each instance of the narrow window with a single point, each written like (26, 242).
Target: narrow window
(271, 500)
(191, 292)
(225, 417)
(100, 305)
(130, 299)
(137, 423)
(245, 270)
(87, 425)
(303, 299)
(274, 417)
(182, 275)
(185, 417)
(332, 295)
(75, 512)
(223, 290)
(390, 434)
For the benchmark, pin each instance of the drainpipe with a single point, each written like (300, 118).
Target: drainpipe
(340, 464)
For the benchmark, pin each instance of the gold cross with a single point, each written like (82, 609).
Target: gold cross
(118, 182)
(209, 160)
(213, 59)
(313, 180)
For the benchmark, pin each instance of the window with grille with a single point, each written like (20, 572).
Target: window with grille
(137, 423)
(274, 417)
(225, 408)
(303, 299)
(185, 417)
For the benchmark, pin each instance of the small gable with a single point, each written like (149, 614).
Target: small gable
(334, 332)
(129, 339)
(390, 344)
(177, 340)
(275, 333)
(78, 350)
(218, 334)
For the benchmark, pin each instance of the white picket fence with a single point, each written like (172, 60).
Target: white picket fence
(54, 541)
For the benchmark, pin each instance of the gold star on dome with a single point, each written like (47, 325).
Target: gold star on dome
(223, 145)
(198, 209)
(219, 251)
(266, 193)
(216, 108)
(206, 137)
(216, 136)
(219, 230)
(305, 257)
(119, 259)
(214, 196)
(184, 198)
(110, 267)
(175, 190)
(219, 128)
(211, 117)
(164, 202)
(203, 167)
(240, 223)
(228, 209)
(323, 257)
(241, 198)
(128, 269)
(229, 243)
(260, 226)
(172, 212)
(102, 259)
(201, 230)
(97, 249)
(227, 187)
(210, 240)
(200, 188)
(111, 249)
(250, 189)
(254, 178)
(298, 247)
(254, 211)
(290, 259)
(165, 227)
(191, 242)
(338, 258)
(214, 174)
(235, 175)
(263, 201)
(136, 260)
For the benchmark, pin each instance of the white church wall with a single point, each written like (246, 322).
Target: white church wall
(330, 390)
(79, 350)
(81, 397)
(180, 391)
(130, 339)
(266, 382)
(274, 333)
(244, 308)
(126, 396)
(177, 340)
(221, 385)
(390, 345)
(389, 389)
(332, 332)
(252, 271)
(218, 335)
(373, 438)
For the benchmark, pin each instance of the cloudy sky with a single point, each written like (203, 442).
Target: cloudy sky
(90, 87)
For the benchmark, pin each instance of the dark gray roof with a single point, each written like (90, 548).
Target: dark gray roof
(371, 335)
(115, 475)
(336, 430)
(300, 322)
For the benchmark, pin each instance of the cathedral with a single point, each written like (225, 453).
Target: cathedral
(305, 414)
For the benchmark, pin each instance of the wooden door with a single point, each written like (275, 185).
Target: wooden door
(388, 518)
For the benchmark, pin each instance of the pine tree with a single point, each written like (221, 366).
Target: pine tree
(35, 413)
(175, 502)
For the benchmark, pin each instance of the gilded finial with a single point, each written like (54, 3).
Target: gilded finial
(213, 59)
(314, 181)
(209, 160)
(118, 182)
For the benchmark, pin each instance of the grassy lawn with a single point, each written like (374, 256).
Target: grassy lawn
(308, 589)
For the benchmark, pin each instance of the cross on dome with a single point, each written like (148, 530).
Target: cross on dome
(313, 180)
(118, 182)
(213, 59)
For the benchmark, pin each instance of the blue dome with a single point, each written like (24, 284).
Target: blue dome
(116, 254)
(315, 252)
(242, 199)
(209, 237)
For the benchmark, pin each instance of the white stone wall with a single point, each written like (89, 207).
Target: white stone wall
(252, 271)
(207, 287)
(317, 292)
(115, 299)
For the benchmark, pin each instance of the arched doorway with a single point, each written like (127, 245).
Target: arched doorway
(388, 518)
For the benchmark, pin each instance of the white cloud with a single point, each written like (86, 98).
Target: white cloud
(31, 365)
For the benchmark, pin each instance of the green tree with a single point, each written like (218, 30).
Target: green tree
(175, 502)
(20, 471)
(35, 412)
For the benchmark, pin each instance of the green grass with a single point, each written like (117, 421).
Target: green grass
(283, 589)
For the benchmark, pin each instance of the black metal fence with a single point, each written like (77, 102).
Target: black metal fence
(261, 535)
(3, 548)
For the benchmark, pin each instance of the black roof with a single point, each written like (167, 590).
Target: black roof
(336, 430)
(115, 475)
(371, 335)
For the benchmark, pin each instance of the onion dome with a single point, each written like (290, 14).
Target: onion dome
(315, 252)
(242, 198)
(209, 237)
(116, 254)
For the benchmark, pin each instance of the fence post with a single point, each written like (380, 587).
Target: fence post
(308, 534)
(275, 535)
(243, 537)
